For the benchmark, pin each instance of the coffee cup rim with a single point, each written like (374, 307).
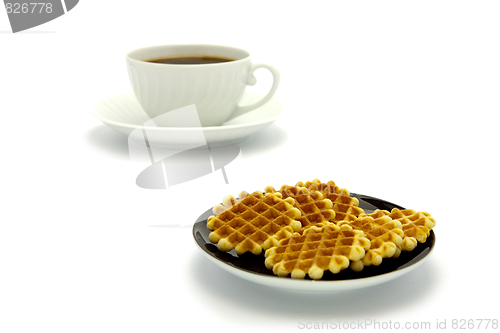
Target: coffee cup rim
(132, 54)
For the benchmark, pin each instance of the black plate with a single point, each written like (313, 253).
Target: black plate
(255, 264)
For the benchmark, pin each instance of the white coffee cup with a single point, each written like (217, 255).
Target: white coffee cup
(215, 89)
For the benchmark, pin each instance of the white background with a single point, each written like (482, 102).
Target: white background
(394, 99)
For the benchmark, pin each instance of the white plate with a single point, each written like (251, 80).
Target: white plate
(252, 267)
(124, 114)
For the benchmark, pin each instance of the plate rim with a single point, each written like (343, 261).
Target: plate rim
(301, 285)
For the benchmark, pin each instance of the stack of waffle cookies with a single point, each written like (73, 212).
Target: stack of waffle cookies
(314, 227)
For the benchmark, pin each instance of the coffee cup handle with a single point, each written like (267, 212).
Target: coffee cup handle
(251, 81)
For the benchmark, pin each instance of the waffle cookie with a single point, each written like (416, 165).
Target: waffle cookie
(317, 250)
(313, 207)
(252, 223)
(346, 208)
(416, 225)
(385, 235)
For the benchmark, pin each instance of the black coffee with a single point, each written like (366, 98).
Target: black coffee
(190, 60)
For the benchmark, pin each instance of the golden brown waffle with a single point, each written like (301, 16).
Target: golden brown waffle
(385, 235)
(317, 185)
(313, 207)
(253, 222)
(346, 208)
(416, 225)
(317, 250)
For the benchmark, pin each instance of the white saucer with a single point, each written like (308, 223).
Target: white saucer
(124, 114)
